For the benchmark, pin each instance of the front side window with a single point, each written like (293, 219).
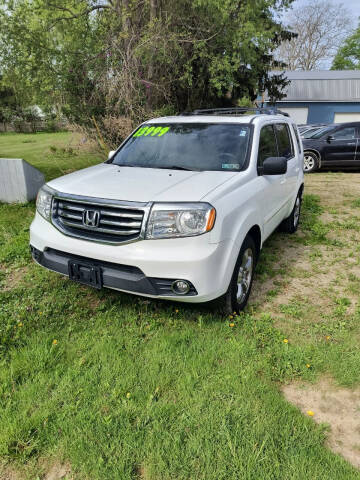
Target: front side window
(347, 133)
(267, 144)
(186, 146)
(284, 140)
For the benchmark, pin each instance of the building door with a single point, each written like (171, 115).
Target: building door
(347, 117)
(298, 114)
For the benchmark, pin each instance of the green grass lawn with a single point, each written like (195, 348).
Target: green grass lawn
(121, 387)
(53, 153)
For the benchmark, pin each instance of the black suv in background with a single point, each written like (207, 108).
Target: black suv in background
(333, 146)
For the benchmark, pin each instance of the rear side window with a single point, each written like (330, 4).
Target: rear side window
(284, 141)
(297, 138)
(267, 144)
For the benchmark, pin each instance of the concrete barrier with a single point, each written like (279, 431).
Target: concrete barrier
(19, 181)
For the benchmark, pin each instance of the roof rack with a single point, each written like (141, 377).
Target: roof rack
(237, 111)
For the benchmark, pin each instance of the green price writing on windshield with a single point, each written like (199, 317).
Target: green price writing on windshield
(151, 131)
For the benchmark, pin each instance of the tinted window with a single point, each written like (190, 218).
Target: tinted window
(284, 140)
(267, 144)
(297, 137)
(200, 146)
(347, 133)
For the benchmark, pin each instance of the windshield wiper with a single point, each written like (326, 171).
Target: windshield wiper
(171, 167)
(178, 167)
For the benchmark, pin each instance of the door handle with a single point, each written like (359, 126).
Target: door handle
(283, 181)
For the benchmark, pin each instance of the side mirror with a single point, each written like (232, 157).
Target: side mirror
(274, 166)
(330, 138)
(111, 153)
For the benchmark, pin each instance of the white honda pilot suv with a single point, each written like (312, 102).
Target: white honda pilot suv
(180, 211)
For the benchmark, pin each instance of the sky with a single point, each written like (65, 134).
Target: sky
(352, 5)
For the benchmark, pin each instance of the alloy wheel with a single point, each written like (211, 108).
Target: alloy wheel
(245, 275)
(309, 163)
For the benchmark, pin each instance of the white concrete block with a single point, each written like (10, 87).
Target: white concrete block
(19, 181)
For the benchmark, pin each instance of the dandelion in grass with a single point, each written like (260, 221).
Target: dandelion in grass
(54, 342)
(310, 413)
(286, 340)
(230, 316)
(176, 311)
(20, 324)
(308, 365)
(128, 395)
(327, 337)
(231, 325)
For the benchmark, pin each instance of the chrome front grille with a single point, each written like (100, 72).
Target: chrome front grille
(98, 219)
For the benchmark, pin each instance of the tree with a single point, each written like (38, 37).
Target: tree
(7, 104)
(348, 55)
(321, 27)
(138, 58)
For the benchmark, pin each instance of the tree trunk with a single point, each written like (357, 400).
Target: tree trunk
(150, 74)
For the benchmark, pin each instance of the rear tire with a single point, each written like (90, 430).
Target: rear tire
(291, 223)
(242, 278)
(311, 162)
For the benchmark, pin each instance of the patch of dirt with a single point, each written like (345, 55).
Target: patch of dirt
(59, 471)
(14, 278)
(334, 187)
(289, 258)
(311, 282)
(7, 473)
(142, 473)
(338, 407)
(44, 471)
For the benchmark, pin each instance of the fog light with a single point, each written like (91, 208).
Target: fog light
(180, 287)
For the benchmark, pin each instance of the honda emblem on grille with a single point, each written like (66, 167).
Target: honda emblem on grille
(91, 218)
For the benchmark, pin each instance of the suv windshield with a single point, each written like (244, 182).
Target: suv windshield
(187, 146)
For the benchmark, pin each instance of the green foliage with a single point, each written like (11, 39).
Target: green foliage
(7, 103)
(348, 56)
(135, 58)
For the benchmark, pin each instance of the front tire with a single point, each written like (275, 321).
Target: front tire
(241, 281)
(311, 162)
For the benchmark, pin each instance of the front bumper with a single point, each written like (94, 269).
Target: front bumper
(134, 267)
(118, 277)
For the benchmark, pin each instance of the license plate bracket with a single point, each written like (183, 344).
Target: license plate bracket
(85, 273)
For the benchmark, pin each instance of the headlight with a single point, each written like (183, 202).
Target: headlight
(169, 220)
(44, 201)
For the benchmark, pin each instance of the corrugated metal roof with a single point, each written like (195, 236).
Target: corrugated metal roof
(319, 74)
(323, 86)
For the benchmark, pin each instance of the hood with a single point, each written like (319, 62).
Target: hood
(140, 184)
